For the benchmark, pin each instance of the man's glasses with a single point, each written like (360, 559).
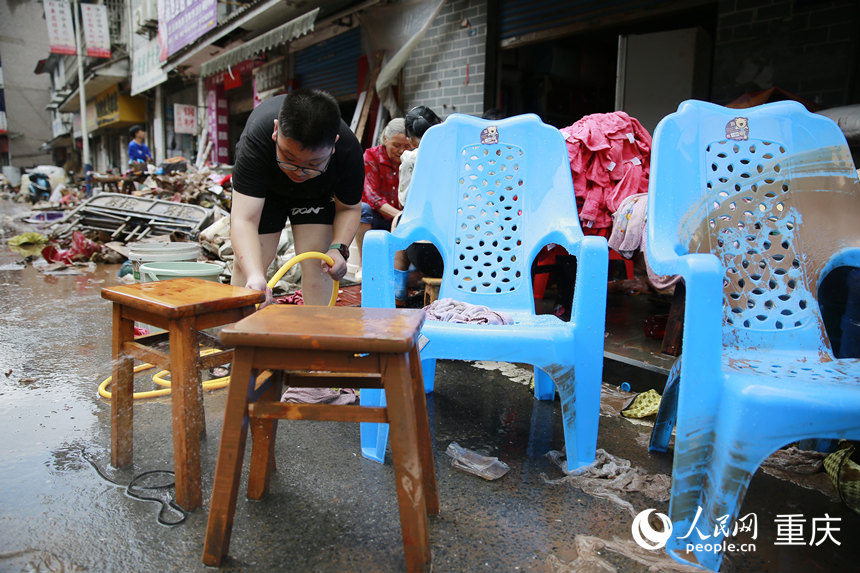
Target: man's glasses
(305, 170)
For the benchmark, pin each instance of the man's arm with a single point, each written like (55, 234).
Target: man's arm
(343, 230)
(244, 224)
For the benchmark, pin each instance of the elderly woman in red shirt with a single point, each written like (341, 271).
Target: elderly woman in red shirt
(380, 203)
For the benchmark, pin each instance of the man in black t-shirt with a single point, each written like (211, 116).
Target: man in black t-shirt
(296, 160)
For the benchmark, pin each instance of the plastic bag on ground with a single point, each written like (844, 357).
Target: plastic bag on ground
(474, 463)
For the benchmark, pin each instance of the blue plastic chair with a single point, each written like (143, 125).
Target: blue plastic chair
(490, 195)
(753, 208)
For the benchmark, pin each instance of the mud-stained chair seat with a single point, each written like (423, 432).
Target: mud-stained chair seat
(490, 195)
(753, 208)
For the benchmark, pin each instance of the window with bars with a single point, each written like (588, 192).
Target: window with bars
(115, 11)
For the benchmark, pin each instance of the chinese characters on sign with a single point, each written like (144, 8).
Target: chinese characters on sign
(61, 32)
(269, 79)
(184, 118)
(96, 34)
(180, 22)
(146, 71)
(216, 123)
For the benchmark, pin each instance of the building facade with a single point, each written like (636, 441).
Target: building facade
(192, 71)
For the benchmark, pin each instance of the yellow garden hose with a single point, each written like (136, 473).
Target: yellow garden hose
(217, 383)
(299, 258)
(159, 379)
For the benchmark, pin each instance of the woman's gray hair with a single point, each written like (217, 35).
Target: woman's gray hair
(395, 126)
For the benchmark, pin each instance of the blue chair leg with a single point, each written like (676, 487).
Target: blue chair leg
(544, 386)
(428, 367)
(540, 435)
(719, 495)
(374, 437)
(580, 410)
(668, 412)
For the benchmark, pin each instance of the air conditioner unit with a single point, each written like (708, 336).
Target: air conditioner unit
(146, 16)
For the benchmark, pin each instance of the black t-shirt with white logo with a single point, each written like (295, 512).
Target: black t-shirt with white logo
(256, 173)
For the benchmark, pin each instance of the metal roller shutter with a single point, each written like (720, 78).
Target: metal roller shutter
(521, 18)
(331, 65)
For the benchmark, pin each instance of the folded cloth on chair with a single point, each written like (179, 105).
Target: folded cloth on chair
(450, 310)
(336, 396)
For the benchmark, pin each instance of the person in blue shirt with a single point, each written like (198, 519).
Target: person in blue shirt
(138, 152)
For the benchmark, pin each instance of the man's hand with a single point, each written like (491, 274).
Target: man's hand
(259, 283)
(338, 270)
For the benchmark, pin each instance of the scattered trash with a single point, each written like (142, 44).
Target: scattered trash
(608, 476)
(16, 266)
(45, 216)
(643, 405)
(512, 372)
(474, 463)
(590, 558)
(844, 471)
(614, 399)
(800, 467)
(25, 239)
(82, 249)
(127, 268)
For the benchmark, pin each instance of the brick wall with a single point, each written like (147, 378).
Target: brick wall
(807, 47)
(446, 70)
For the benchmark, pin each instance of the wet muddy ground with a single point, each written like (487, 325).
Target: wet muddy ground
(329, 509)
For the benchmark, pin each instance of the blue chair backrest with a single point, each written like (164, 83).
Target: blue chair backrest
(742, 184)
(490, 195)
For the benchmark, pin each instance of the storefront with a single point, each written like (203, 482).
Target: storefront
(109, 116)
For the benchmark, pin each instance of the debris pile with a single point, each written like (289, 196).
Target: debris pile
(107, 210)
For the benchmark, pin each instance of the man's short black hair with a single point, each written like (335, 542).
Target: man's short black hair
(311, 117)
(132, 131)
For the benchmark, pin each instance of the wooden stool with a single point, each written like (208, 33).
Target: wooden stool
(183, 307)
(317, 347)
(431, 289)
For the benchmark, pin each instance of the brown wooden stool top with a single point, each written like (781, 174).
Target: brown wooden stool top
(325, 328)
(175, 298)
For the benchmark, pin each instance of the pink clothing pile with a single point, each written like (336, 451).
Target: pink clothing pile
(610, 157)
(450, 310)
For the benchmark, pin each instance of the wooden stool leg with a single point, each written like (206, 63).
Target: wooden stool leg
(200, 418)
(263, 433)
(228, 468)
(425, 444)
(122, 392)
(408, 468)
(186, 429)
(674, 336)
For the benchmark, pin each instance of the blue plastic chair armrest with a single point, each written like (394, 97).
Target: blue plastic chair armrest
(589, 299)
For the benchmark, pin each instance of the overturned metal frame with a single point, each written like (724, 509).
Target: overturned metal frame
(127, 218)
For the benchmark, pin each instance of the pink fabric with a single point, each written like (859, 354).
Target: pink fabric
(609, 161)
(381, 179)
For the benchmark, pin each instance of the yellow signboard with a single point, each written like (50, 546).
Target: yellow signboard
(113, 109)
